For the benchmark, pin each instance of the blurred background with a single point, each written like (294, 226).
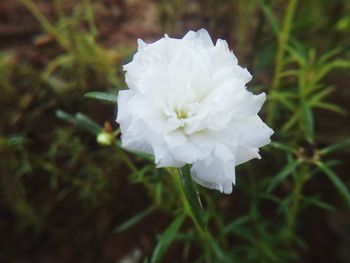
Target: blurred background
(67, 197)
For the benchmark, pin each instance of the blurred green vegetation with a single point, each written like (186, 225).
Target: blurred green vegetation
(69, 193)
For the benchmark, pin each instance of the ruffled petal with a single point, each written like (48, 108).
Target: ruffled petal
(214, 174)
(164, 158)
(245, 154)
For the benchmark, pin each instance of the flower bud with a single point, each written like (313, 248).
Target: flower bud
(105, 138)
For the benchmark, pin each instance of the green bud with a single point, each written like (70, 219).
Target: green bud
(105, 138)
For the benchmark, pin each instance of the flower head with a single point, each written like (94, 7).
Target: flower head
(187, 103)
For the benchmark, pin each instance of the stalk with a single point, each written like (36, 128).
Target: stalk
(282, 41)
(296, 198)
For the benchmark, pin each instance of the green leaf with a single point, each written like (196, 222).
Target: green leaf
(297, 55)
(284, 98)
(333, 177)
(320, 95)
(86, 123)
(271, 19)
(80, 120)
(316, 202)
(271, 198)
(167, 238)
(282, 175)
(281, 146)
(330, 66)
(309, 120)
(192, 195)
(330, 107)
(335, 147)
(219, 253)
(133, 220)
(65, 116)
(292, 121)
(236, 224)
(328, 55)
(104, 96)
(290, 73)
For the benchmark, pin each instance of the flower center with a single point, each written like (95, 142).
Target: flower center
(181, 114)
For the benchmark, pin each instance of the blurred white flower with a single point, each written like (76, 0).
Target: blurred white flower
(187, 104)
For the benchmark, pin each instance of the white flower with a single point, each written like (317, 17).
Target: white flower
(187, 104)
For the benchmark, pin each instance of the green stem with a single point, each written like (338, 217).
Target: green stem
(293, 211)
(282, 41)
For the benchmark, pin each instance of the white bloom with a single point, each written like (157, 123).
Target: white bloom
(187, 104)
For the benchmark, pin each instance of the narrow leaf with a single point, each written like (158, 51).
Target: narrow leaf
(65, 116)
(236, 224)
(335, 147)
(166, 239)
(134, 220)
(192, 195)
(297, 55)
(319, 96)
(104, 96)
(267, 11)
(86, 123)
(282, 175)
(309, 120)
(292, 121)
(316, 202)
(326, 56)
(281, 146)
(219, 253)
(80, 120)
(339, 185)
(330, 107)
(284, 98)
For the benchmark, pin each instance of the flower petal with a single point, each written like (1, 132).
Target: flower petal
(214, 174)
